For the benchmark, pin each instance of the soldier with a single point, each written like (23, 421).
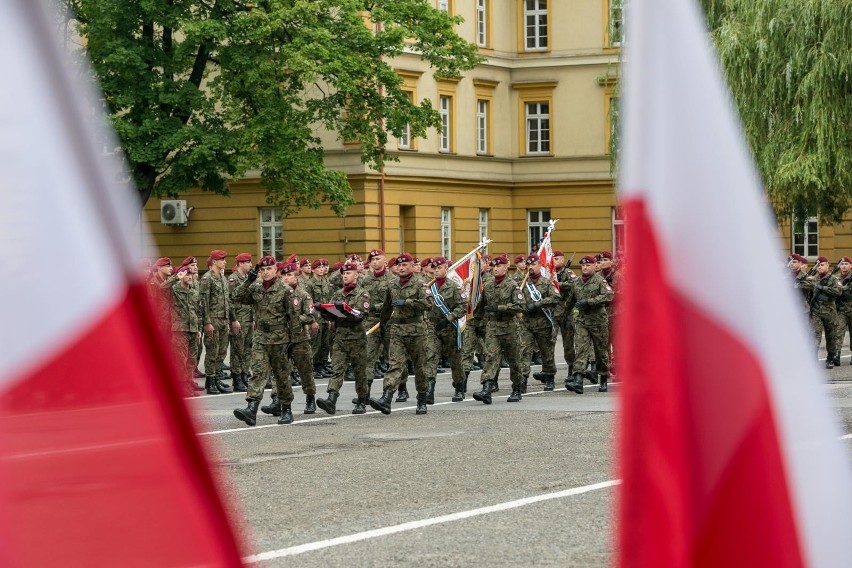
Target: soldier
(186, 318)
(520, 268)
(217, 312)
(306, 269)
(335, 278)
(274, 317)
(403, 307)
(197, 346)
(375, 282)
(350, 341)
(844, 307)
(320, 290)
(241, 342)
(606, 266)
(563, 314)
(540, 299)
(160, 273)
(825, 289)
(448, 306)
(474, 333)
(799, 267)
(501, 299)
(592, 294)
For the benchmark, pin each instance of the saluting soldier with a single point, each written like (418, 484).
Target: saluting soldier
(241, 342)
(501, 303)
(186, 323)
(403, 307)
(844, 307)
(160, 273)
(540, 299)
(303, 326)
(273, 316)
(448, 306)
(824, 289)
(218, 313)
(593, 294)
(350, 340)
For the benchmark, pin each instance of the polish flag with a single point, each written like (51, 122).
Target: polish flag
(545, 255)
(729, 448)
(99, 461)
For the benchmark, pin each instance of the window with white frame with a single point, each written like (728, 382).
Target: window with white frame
(538, 127)
(445, 110)
(806, 237)
(535, 25)
(618, 234)
(537, 220)
(483, 227)
(404, 141)
(482, 23)
(482, 127)
(444, 5)
(446, 233)
(271, 232)
(616, 23)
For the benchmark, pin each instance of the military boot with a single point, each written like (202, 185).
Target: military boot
(837, 358)
(516, 394)
(377, 372)
(464, 384)
(286, 415)
(402, 393)
(383, 404)
(329, 404)
(548, 381)
(536, 358)
(274, 409)
(369, 387)
(310, 404)
(459, 395)
(349, 375)
(478, 363)
(222, 387)
(602, 386)
(360, 406)
(326, 370)
(249, 413)
(421, 403)
(504, 363)
(578, 383)
(210, 385)
(540, 377)
(318, 373)
(592, 372)
(829, 362)
(240, 383)
(485, 394)
(495, 387)
(430, 392)
(524, 386)
(295, 379)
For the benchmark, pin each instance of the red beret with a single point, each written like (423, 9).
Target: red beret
(337, 266)
(821, 259)
(348, 266)
(305, 262)
(588, 259)
(605, 254)
(218, 254)
(799, 257)
(404, 257)
(243, 257)
(182, 269)
(316, 264)
(520, 258)
(355, 258)
(558, 253)
(438, 261)
(533, 258)
(374, 253)
(502, 259)
(189, 260)
(486, 258)
(392, 261)
(267, 261)
(287, 267)
(163, 261)
(845, 259)
(293, 258)
(426, 262)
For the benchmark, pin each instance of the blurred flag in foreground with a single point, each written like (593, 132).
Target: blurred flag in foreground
(99, 462)
(729, 447)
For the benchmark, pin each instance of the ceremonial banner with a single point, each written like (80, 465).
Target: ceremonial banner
(545, 254)
(728, 444)
(347, 311)
(99, 461)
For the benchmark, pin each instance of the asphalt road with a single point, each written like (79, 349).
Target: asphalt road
(510, 484)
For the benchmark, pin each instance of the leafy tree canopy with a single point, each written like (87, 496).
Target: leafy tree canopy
(201, 92)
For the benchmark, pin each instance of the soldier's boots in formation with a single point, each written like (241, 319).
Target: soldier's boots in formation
(249, 413)
(837, 358)
(329, 405)
(360, 406)
(286, 415)
(536, 358)
(274, 408)
(430, 392)
(240, 382)
(295, 379)
(461, 388)
(349, 374)
(318, 372)
(602, 386)
(310, 404)
(516, 394)
(369, 386)
(421, 403)
(546, 378)
(592, 372)
(378, 374)
(402, 393)
(383, 404)
(478, 362)
(214, 386)
(575, 383)
(326, 370)
(485, 394)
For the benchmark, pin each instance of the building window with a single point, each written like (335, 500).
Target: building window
(483, 227)
(618, 233)
(482, 127)
(615, 28)
(404, 141)
(271, 232)
(535, 25)
(446, 6)
(445, 109)
(538, 128)
(539, 221)
(446, 233)
(613, 104)
(482, 23)
(806, 238)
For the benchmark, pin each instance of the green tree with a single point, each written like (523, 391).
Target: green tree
(200, 92)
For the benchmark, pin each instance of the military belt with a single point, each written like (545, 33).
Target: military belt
(266, 326)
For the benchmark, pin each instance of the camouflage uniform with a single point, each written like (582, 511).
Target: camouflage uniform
(240, 343)
(299, 349)
(614, 281)
(350, 341)
(273, 317)
(218, 312)
(563, 315)
(844, 314)
(377, 287)
(320, 290)
(822, 309)
(592, 333)
(407, 331)
(501, 328)
(536, 327)
(186, 323)
(444, 338)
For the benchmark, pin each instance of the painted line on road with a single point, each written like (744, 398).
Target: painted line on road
(413, 525)
(846, 437)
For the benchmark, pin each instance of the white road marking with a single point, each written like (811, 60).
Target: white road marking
(413, 525)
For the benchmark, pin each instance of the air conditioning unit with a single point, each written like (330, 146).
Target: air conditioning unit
(174, 212)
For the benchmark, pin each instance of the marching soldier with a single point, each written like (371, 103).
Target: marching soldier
(799, 268)
(563, 314)
(320, 290)
(274, 317)
(350, 341)
(241, 342)
(520, 268)
(501, 299)
(403, 307)
(448, 306)
(217, 312)
(613, 277)
(375, 282)
(540, 298)
(302, 327)
(186, 318)
(592, 294)
(824, 289)
(844, 307)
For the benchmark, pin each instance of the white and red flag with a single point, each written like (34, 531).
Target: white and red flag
(729, 448)
(545, 255)
(99, 461)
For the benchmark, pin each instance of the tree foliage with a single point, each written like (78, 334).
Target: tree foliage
(201, 92)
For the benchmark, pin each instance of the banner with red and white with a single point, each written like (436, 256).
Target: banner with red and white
(728, 444)
(99, 461)
(545, 255)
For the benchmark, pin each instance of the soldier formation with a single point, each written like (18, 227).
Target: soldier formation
(290, 323)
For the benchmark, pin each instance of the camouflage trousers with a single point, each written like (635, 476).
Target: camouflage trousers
(181, 343)
(321, 344)
(592, 339)
(196, 347)
(445, 343)
(824, 322)
(433, 351)
(241, 348)
(266, 358)
(302, 359)
(843, 323)
(403, 348)
(473, 341)
(375, 345)
(537, 334)
(566, 328)
(506, 343)
(216, 346)
(348, 350)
